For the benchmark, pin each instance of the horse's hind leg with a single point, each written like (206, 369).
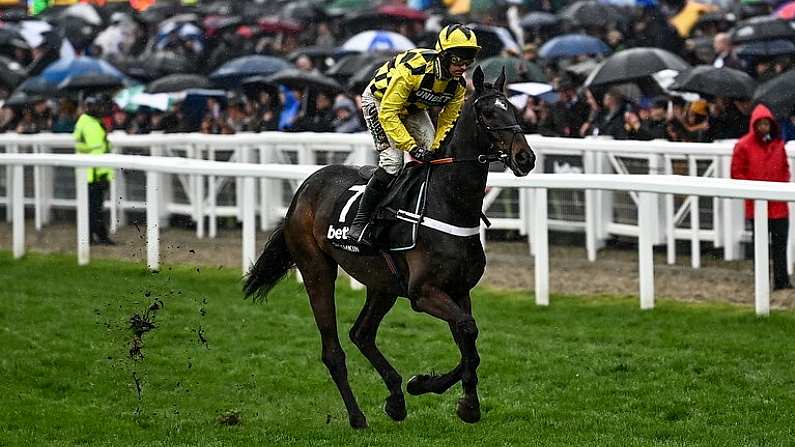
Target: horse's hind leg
(319, 273)
(363, 335)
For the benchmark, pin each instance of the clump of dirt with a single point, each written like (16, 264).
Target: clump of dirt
(140, 324)
(229, 418)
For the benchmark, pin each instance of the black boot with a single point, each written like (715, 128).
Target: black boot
(375, 191)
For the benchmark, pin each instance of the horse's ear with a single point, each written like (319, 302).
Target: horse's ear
(499, 84)
(477, 79)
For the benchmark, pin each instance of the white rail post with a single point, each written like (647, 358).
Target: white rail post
(18, 225)
(83, 230)
(670, 225)
(249, 206)
(38, 193)
(541, 248)
(114, 200)
(695, 219)
(645, 249)
(212, 194)
(11, 149)
(591, 215)
(761, 259)
(153, 220)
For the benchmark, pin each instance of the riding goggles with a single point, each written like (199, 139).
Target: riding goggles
(457, 60)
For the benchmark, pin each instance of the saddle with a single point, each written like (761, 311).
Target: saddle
(390, 229)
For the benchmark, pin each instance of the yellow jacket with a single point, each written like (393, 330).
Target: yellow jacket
(91, 138)
(413, 81)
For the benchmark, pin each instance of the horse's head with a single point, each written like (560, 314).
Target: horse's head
(497, 119)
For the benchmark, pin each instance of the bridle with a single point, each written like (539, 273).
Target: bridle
(495, 134)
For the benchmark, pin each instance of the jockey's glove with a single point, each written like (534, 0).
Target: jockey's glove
(422, 154)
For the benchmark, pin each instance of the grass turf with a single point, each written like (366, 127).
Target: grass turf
(594, 371)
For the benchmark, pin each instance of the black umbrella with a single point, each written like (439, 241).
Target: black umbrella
(231, 73)
(163, 63)
(710, 81)
(539, 19)
(177, 83)
(11, 72)
(762, 28)
(354, 63)
(301, 79)
(19, 98)
(358, 82)
(38, 86)
(591, 13)
(253, 85)
(778, 94)
(93, 82)
(766, 48)
(11, 38)
(633, 64)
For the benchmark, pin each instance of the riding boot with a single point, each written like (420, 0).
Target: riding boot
(375, 191)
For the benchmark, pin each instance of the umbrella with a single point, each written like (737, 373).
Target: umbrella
(570, 45)
(252, 86)
(516, 70)
(762, 28)
(84, 12)
(766, 48)
(64, 68)
(633, 64)
(177, 83)
(90, 82)
(582, 69)
(538, 19)
(354, 63)
(358, 82)
(591, 13)
(20, 98)
(304, 11)
(786, 11)
(778, 94)
(530, 88)
(162, 63)
(494, 39)
(38, 86)
(275, 25)
(12, 38)
(687, 18)
(302, 79)
(231, 73)
(11, 72)
(378, 41)
(710, 81)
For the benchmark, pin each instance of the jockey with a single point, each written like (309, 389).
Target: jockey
(395, 105)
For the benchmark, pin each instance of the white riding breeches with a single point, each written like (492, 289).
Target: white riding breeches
(418, 124)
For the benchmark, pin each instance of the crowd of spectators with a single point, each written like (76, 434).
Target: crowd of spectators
(572, 111)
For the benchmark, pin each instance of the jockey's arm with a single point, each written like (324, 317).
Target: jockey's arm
(392, 104)
(448, 116)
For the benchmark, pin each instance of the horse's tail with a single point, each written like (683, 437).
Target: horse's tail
(272, 265)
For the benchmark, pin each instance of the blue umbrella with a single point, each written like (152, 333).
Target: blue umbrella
(570, 45)
(231, 73)
(61, 69)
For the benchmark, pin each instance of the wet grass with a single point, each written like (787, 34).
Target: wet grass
(208, 368)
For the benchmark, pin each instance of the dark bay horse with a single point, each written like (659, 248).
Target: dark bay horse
(438, 273)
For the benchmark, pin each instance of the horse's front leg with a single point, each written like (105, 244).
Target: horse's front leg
(434, 301)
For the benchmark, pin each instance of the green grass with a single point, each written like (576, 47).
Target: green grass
(595, 371)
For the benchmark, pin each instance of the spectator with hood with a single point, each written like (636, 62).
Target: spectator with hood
(760, 155)
(347, 120)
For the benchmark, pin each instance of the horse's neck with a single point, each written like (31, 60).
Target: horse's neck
(457, 189)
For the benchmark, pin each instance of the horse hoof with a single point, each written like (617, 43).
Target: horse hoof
(395, 407)
(416, 385)
(467, 411)
(358, 422)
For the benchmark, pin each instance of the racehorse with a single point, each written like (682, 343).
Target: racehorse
(438, 273)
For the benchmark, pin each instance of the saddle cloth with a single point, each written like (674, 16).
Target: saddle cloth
(407, 194)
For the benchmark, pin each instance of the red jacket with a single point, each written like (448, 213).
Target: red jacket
(755, 159)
